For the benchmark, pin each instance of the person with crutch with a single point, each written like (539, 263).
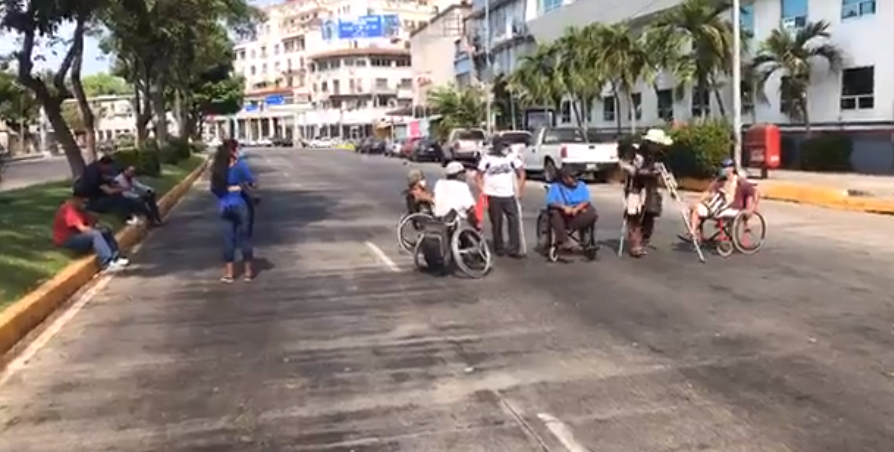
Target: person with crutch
(501, 178)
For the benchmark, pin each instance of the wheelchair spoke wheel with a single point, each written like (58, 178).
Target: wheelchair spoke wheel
(409, 230)
(471, 253)
(748, 234)
(725, 248)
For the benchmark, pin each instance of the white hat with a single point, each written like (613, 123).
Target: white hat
(455, 168)
(658, 136)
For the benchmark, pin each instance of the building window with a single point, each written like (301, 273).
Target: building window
(858, 88)
(549, 5)
(381, 84)
(276, 49)
(252, 70)
(746, 17)
(608, 108)
(698, 106)
(637, 106)
(666, 104)
(788, 97)
(276, 66)
(264, 68)
(263, 51)
(406, 83)
(794, 13)
(857, 8)
(324, 87)
(565, 111)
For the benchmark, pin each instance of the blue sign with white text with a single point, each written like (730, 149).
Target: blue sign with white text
(274, 100)
(368, 27)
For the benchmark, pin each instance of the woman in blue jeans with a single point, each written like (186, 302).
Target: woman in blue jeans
(229, 177)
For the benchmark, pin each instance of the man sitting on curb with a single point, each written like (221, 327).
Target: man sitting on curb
(139, 192)
(97, 183)
(77, 230)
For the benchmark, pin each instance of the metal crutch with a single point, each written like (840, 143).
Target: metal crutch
(670, 183)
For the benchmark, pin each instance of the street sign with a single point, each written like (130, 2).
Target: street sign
(368, 27)
(274, 100)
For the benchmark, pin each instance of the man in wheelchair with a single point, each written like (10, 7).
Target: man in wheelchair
(727, 196)
(569, 207)
(417, 195)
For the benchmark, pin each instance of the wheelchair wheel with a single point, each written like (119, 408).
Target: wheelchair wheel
(470, 252)
(409, 229)
(589, 245)
(723, 239)
(748, 236)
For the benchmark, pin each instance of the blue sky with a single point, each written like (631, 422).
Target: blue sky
(94, 60)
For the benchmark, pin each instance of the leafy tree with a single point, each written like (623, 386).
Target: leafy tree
(103, 84)
(216, 93)
(626, 60)
(793, 56)
(18, 106)
(38, 20)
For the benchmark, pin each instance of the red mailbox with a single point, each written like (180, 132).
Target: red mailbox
(762, 143)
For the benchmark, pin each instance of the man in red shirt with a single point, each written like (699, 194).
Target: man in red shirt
(77, 230)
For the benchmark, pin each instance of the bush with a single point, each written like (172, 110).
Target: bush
(145, 160)
(176, 151)
(827, 152)
(699, 148)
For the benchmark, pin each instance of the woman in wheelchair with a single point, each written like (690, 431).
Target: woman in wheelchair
(726, 197)
(569, 207)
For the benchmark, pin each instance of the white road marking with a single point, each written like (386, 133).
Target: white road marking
(382, 257)
(22, 359)
(562, 433)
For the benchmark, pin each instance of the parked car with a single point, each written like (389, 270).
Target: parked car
(554, 148)
(394, 147)
(427, 150)
(465, 145)
(406, 149)
(517, 140)
(281, 142)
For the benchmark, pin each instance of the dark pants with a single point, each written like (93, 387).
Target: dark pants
(99, 240)
(151, 205)
(497, 207)
(250, 205)
(118, 205)
(562, 223)
(639, 231)
(237, 236)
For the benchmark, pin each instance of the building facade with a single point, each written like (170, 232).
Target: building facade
(329, 68)
(850, 99)
(497, 27)
(432, 48)
(115, 117)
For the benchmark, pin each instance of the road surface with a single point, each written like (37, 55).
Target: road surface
(22, 173)
(340, 346)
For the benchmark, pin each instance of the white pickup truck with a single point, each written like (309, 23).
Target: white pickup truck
(554, 148)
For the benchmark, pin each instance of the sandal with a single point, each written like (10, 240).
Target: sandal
(226, 279)
(248, 277)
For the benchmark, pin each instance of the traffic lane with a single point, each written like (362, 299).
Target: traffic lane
(23, 173)
(327, 350)
(810, 313)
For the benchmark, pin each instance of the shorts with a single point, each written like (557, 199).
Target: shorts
(716, 207)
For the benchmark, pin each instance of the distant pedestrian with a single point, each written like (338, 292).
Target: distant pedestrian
(230, 179)
(501, 178)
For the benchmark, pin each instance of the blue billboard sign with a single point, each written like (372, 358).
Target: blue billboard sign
(368, 27)
(250, 108)
(274, 100)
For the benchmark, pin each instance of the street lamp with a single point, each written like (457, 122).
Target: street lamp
(487, 46)
(737, 81)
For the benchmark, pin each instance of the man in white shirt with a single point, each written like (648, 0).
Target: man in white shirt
(453, 194)
(501, 177)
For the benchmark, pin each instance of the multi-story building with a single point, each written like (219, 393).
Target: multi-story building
(432, 47)
(497, 26)
(846, 100)
(327, 67)
(115, 116)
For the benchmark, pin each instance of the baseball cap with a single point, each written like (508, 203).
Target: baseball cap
(727, 163)
(415, 176)
(455, 168)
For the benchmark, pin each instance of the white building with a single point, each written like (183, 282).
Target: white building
(326, 67)
(115, 116)
(432, 48)
(852, 100)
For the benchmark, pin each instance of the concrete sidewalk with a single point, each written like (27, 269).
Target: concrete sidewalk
(855, 185)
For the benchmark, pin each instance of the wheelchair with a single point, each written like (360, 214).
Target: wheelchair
(410, 225)
(449, 243)
(733, 233)
(546, 239)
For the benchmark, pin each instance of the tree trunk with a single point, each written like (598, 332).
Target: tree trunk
(78, 89)
(576, 106)
(157, 95)
(51, 103)
(617, 100)
(632, 110)
(720, 104)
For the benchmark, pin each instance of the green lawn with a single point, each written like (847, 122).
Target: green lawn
(28, 256)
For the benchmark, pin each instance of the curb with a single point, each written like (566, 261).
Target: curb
(18, 319)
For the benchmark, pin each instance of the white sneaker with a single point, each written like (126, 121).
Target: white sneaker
(134, 221)
(123, 261)
(115, 266)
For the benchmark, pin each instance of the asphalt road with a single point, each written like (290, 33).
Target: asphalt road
(22, 173)
(333, 348)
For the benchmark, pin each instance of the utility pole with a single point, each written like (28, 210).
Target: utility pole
(487, 46)
(737, 82)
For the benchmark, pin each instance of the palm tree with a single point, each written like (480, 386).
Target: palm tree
(581, 75)
(536, 82)
(703, 27)
(626, 60)
(463, 107)
(792, 56)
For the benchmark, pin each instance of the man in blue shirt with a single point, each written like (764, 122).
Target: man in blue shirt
(568, 201)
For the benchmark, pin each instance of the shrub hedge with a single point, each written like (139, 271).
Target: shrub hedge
(148, 158)
(699, 148)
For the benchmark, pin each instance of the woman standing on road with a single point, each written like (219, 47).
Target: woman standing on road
(230, 176)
